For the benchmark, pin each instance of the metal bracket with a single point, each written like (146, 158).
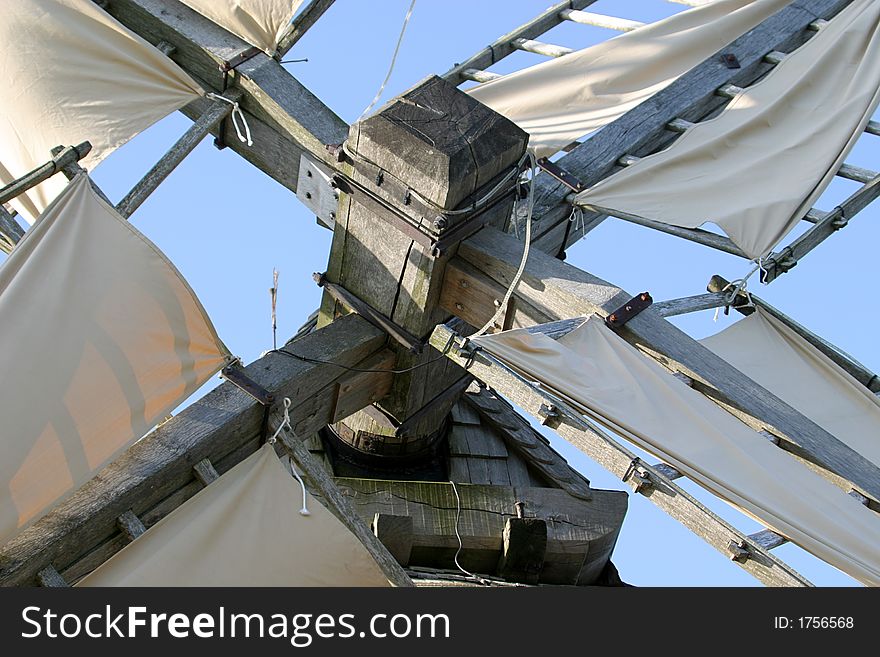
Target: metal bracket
(738, 550)
(628, 310)
(373, 316)
(315, 191)
(560, 175)
(234, 373)
(550, 415)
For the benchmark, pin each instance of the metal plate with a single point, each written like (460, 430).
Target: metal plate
(314, 190)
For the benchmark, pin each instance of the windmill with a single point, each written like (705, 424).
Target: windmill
(384, 401)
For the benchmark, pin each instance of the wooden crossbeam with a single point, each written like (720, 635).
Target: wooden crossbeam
(644, 129)
(156, 474)
(558, 291)
(11, 231)
(654, 484)
(505, 46)
(64, 156)
(541, 48)
(600, 20)
(285, 118)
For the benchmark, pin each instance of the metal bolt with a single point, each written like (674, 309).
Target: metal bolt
(441, 223)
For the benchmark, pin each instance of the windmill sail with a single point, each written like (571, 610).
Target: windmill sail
(259, 22)
(563, 99)
(74, 74)
(616, 386)
(757, 168)
(101, 339)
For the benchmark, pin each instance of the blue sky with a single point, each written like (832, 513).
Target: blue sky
(226, 225)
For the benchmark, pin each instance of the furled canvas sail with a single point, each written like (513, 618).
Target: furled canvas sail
(244, 529)
(259, 22)
(101, 339)
(613, 384)
(780, 360)
(758, 167)
(71, 74)
(563, 99)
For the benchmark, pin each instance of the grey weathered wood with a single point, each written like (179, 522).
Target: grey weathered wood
(565, 291)
(205, 472)
(600, 20)
(61, 158)
(396, 534)
(11, 231)
(301, 24)
(580, 534)
(620, 461)
(533, 447)
(285, 118)
(215, 113)
(782, 261)
(503, 46)
(49, 577)
(161, 463)
(853, 367)
(643, 129)
(541, 48)
(476, 75)
(768, 539)
(326, 487)
(130, 525)
(524, 549)
(685, 305)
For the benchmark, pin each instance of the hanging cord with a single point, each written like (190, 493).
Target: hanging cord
(393, 61)
(273, 293)
(285, 424)
(522, 265)
(460, 542)
(237, 115)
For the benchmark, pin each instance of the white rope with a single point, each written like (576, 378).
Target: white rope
(737, 287)
(458, 536)
(237, 115)
(285, 424)
(522, 265)
(393, 61)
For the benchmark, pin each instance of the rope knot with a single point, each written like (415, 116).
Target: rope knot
(243, 130)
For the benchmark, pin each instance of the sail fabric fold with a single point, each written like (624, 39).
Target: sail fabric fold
(101, 339)
(563, 99)
(74, 74)
(244, 529)
(259, 22)
(617, 387)
(773, 355)
(757, 168)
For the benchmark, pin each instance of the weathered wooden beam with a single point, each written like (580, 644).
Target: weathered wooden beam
(524, 550)
(785, 259)
(686, 305)
(333, 498)
(130, 525)
(301, 24)
(11, 231)
(541, 48)
(644, 129)
(600, 20)
(216, 112)
(853, 367)
(205, 472)
(51, 578)
(564, 291)
(64, 157)
(396, 534)
(504, 46)
(285, 118)
(622, 462)
(581, 534)
(221, 422)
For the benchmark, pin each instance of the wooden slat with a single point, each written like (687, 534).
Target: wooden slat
(476, 75)
(565, 291)
(643, 129)
(130, 525)
(503, 47)
(302, 23)
(51, 578)
(205, 472)
(161, 463)
(60, 159)
(617, 459)
(600, 20)
(215, 113)
(541, 48)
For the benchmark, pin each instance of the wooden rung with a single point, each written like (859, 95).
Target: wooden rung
(817, 25)
(679, 125)
(858, 174)
(768, 539)
(205, 472)
(541, 48)
(873, 128)
(130, 525)
(51, 578)
(728, 91)
(774, 57)
(627, 160)
(476, 75)
(668, 471)
(61, 159)
(600, 20)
